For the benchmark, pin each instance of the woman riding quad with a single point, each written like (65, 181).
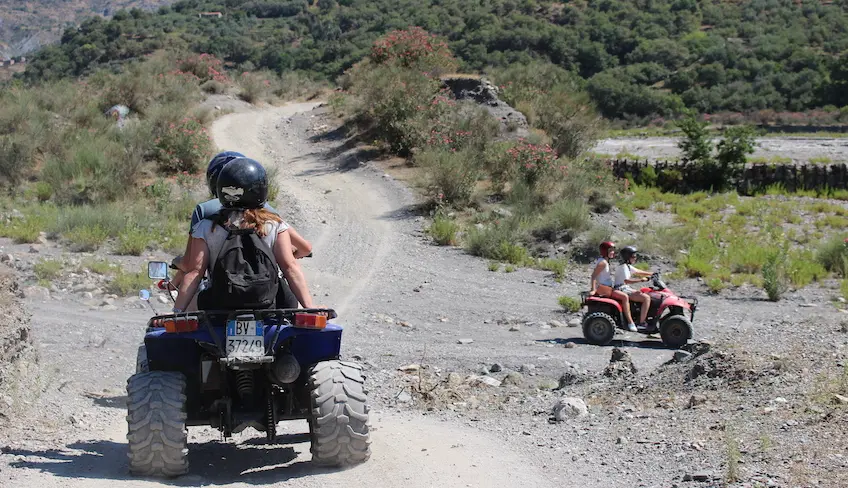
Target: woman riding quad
(210, 208)
(246, 192)
(627, 274)
(601, 284)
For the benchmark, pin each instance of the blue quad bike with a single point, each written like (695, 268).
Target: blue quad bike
(236, 369)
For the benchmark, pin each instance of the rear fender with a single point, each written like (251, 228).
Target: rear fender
(181, 352)
(601, 303)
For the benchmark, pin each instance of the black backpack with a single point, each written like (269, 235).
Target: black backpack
(244, 274)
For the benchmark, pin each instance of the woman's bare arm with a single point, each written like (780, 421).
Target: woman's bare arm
(302, 247)
(196, 263)
(291, 269)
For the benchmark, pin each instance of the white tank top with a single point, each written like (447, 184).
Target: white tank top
(604, 277)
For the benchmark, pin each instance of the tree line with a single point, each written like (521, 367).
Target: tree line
(636, 59)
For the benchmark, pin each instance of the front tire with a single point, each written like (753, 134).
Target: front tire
(339, 421)
(599, 328)
(676, 330)
(156, 416)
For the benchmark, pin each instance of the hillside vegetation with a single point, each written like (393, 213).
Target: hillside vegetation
(637, 59)
(30, 24)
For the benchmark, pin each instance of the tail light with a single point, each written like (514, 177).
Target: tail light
(181, 323)
(310, 320)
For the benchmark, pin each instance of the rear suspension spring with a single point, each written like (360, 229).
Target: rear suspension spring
(244, 382)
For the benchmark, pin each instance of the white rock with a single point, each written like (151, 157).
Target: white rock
(410, 368)
(574, 322)
(475, 380)
(465, 341)
(162, 299)
(36, 293)
(556, 323)
(569, 408)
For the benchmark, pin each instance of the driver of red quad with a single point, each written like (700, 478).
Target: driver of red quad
(601, 283)
(627, 274)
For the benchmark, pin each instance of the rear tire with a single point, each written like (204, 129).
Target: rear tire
(339, 421)
(599, 328)
(156, 417)
(676, 330)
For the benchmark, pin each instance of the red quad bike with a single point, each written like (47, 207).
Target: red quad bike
(666, 315)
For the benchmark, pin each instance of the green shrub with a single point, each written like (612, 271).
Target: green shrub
(569, 304)
(567, 217)
(87, 238)
(494, 266)
(111, 218)
(22, 231)
(498, 164)
(774, 275)
(254, 87)
(400, 104)
(48, 269)
(553, 100)
(99, 266)
(509, 268)
(133, 241)
(443, 230)
(557, 266)
(451, 176)
(214, 87)
(498, 241)
(127, 283)
(43, 191)
(833, 255)
(715, 285)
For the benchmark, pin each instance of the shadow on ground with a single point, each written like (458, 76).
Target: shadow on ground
(211, 463)
(648, 343)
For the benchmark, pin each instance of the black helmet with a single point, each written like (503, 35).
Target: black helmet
(242, 183)
(215, 165)
(626, 253)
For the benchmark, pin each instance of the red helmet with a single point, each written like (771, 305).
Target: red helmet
(605, 247)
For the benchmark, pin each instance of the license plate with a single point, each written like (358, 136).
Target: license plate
(245, 338)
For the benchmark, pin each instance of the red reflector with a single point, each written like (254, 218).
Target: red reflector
(181, 324)
(310, 320)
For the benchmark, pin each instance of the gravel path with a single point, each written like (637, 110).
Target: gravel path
(403, 302)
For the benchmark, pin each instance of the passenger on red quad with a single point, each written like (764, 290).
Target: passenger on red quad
(627, 274)
(242, 189)
(601, 284)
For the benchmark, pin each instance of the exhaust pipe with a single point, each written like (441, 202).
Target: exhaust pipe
(284, 370)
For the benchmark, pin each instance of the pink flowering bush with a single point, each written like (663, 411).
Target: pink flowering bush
(414, 48)
(533, 162)
(205, 67)
(183, 147)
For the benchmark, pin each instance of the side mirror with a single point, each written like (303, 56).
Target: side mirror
(157, 270)
(144, 295)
